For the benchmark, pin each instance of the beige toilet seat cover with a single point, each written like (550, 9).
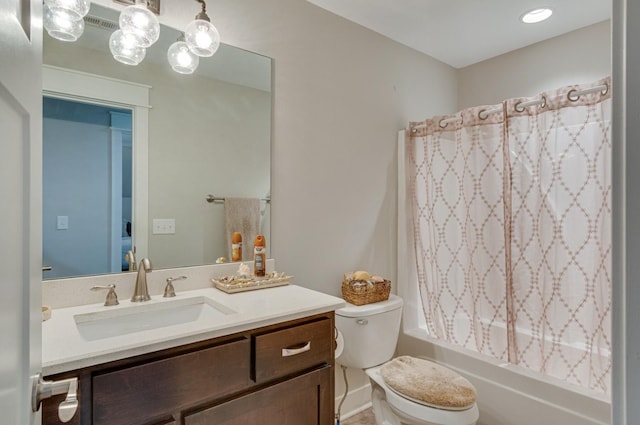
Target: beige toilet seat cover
(429, 383)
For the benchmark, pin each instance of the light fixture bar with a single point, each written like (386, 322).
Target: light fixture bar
(99, 22)
(152, 5)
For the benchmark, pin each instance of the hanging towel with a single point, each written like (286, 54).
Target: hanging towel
(242, 215)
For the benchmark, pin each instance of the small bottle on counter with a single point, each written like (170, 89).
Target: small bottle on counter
(259, 256)
(236, 246)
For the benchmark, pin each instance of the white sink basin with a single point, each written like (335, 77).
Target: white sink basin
(123, 320)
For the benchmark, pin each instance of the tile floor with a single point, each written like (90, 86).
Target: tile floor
(363, 418)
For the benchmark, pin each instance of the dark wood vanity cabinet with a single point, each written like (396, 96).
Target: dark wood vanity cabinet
(279, 374)
(298, 400)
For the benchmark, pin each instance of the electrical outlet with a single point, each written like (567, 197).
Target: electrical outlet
(164, 226)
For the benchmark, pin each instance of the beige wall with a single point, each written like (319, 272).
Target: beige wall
(581, 56)
(341, 92)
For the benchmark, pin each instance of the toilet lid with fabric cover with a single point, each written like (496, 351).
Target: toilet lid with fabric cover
(428, 383)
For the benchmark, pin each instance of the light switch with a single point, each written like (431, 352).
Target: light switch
(164, 226)
(62, 222)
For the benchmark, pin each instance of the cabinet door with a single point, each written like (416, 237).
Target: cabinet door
(155, 391)
(303, 400)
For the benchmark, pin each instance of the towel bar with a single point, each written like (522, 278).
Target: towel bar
(220, 200)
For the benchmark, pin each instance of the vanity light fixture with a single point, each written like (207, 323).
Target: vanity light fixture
(536, 15)
(140, 23)
(70, 9)
(201, 36)
(181, 58)
(138, 29)
(60, 26)
(124, 48)
(63, 18)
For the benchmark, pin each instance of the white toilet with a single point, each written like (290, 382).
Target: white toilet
(370, 334)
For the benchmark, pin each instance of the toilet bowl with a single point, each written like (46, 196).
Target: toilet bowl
(370, 333)
(408, 411)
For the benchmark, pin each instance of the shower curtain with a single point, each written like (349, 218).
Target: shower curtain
(512, 230)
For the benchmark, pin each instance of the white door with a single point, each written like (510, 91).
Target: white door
(20, 206)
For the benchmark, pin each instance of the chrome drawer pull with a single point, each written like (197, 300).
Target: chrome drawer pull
(286, 352)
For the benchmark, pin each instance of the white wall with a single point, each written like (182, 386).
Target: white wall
(581, 56)
(626, 204)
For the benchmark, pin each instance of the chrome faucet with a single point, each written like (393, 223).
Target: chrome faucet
(141, 292)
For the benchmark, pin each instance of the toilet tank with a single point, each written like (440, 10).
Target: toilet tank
(370, 332)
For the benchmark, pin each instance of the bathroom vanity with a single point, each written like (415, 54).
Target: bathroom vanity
(267, 359)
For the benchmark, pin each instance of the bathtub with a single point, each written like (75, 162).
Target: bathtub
(510, 394)
(507, 394)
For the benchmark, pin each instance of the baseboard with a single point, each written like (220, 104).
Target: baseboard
(357, 400)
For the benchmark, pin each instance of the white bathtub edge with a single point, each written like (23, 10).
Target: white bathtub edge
(507, 397)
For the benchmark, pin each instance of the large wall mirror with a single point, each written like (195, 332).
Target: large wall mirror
(208, 133)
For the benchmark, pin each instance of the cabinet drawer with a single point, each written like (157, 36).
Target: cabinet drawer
(158, 389)
(282, 352)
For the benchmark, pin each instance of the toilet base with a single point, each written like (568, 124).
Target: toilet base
(381, 409)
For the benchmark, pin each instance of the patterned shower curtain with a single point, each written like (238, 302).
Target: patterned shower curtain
(512, 231)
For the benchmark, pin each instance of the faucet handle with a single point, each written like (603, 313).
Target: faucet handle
(169, 290)
(112, 297)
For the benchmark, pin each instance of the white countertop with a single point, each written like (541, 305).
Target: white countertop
(65, 349)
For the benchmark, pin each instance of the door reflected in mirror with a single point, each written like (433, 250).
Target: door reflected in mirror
(87, 187)
(208, 133)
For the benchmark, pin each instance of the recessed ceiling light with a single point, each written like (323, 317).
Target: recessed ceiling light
(536, 15)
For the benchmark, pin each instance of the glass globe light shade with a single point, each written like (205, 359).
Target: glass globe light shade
(74, 9)
(61, 26)
(181, 59)
(202, 37)
(141, 23)
(124, 48)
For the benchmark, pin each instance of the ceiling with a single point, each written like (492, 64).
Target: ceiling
(463, 32)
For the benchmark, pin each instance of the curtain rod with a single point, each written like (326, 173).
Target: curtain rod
(220, 200)
(573, 96)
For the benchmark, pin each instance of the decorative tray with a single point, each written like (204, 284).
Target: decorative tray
(231, 284)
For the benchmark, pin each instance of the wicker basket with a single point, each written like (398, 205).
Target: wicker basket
(360, 292)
